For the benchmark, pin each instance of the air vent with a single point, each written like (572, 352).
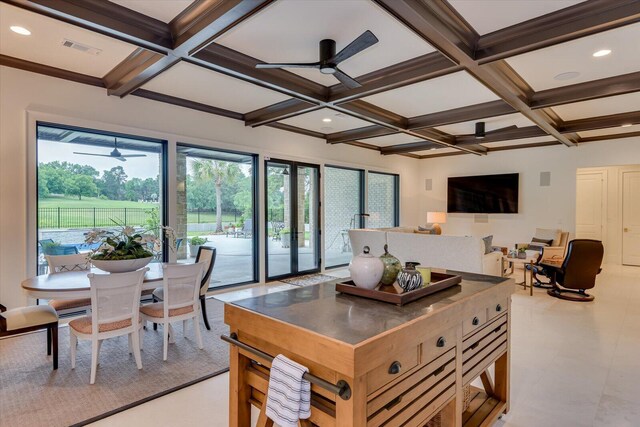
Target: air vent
(81, 47)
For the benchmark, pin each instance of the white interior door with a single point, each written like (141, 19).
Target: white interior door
(631, 218)
(589, 205)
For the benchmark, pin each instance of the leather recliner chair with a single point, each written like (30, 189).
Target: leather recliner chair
(578, 270)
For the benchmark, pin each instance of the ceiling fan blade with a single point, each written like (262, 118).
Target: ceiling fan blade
(501, 129)
(121, 158)
(92, 154)
(346, 80)
(133, 155)
(290, 65)
(364, 41)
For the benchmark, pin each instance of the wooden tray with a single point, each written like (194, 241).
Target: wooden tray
(439, 282)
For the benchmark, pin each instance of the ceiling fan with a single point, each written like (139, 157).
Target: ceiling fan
(481, 133)
(329, 59)
(114, 154)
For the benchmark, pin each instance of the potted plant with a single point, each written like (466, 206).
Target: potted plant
(522, 253)
(195, 243)
(285, 237)
(126, 249)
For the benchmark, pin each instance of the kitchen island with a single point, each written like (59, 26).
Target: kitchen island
(373, 363)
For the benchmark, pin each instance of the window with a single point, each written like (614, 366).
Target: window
(216, 193)
(90, 179)
(383, 199)
(343, 202)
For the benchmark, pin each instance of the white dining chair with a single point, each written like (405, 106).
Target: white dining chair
(115, 300)
(181, 292)
(62, 264)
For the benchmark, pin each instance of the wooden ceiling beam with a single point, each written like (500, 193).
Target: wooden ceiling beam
(296, 129)
(421, 146)
(567, 24)
(502, 135)
(47, 70)
(106, 18)
(359, 134)
(492, 149)
(412, 71)
(195, 27)
(608, 137)
(279, 111)
(595, 89)
(462, 114)
(181, 102)
(441, 26)
(405, 73)
(601, 122)
(235, 64)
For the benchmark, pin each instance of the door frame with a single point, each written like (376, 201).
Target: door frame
(293, 203)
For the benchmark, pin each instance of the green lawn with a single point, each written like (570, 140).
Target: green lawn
(91, 202)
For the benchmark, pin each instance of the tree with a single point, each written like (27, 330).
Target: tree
(219, 172)
(133, 190)
(80, 185)
(113, 183)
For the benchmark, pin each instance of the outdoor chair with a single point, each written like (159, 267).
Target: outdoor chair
(115, 299)
(207, 256)
(247, 229)
(33, 318)
(65, 263)
(181, 292)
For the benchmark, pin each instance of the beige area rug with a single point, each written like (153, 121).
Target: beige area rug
(32, 394)
(309, 279)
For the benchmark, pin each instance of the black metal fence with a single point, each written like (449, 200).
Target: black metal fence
(92, 217)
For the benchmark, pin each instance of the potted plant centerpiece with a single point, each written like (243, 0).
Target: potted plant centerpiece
(195, 243)
(126, 249)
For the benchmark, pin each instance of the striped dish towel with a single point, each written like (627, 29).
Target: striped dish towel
(289, 396)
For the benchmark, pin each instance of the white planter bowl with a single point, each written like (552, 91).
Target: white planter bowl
(121, 266)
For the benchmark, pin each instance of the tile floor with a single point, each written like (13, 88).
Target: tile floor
(573, 364)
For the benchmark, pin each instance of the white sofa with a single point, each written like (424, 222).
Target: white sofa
(438, 251)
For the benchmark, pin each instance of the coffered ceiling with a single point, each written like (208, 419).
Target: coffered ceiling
(524, 67)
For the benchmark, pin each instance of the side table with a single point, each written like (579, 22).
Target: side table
(510, 261)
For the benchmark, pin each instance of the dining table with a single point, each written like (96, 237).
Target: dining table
(75, 284)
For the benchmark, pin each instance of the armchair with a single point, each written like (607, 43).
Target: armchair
(551, 245)
(577, 272)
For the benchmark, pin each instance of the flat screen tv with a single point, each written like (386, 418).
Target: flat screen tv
(483, 194)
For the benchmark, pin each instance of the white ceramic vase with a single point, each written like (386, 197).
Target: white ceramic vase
(121, 266)
(366, 270)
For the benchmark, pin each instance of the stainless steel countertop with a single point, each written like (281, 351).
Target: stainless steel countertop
(351, 319)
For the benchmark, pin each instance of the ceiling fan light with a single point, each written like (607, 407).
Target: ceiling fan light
(327, 69)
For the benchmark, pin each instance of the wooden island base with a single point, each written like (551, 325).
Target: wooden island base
(402, 365)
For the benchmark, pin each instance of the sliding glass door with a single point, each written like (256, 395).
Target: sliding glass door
(216, 193)
(292, 220)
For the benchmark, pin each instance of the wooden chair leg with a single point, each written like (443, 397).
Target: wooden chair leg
(48, 340)
(54, 339)
(263, 420)
(203, 303)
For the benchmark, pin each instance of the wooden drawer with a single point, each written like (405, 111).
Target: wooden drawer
(438, 344)
(500, 307)
(393, 368)
(474, 322)
(419, 394)
(483, 337)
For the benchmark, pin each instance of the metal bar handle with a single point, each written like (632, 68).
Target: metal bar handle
(342, 388)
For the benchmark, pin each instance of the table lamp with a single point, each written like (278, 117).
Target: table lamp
(436, 218)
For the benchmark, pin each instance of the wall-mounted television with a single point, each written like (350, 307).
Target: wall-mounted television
(483, 194)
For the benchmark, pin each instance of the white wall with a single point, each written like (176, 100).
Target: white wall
(25, 97)
(546, 207)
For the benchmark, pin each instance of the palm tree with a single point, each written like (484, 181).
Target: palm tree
(219, 172)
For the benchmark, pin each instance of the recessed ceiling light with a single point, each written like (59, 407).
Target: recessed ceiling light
(20, 30)
(433, 149)
(626, 125)
(602, 52)
(567, 76)
(326, 120)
